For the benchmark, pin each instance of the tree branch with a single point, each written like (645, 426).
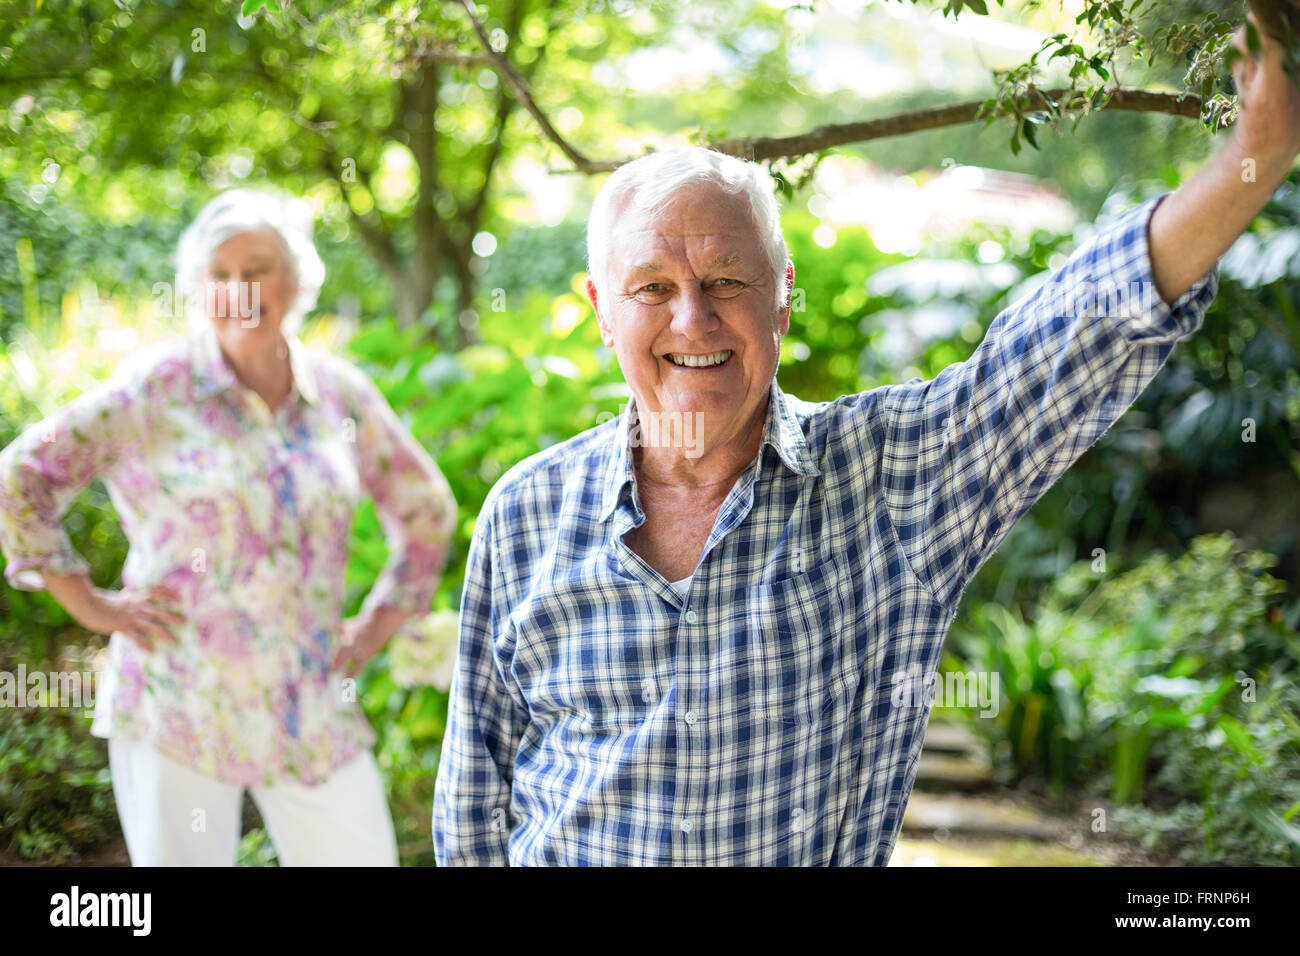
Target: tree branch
(519, 87)
(444, 55)
(421, 99)
(1140, 101)
(376, 238)
(823, 137)
(1184, 104)
(472, 213)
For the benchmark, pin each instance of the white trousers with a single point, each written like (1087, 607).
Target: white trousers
(174, 816)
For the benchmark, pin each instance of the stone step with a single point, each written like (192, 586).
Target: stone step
(948, 738)
(974, 816)
(949, 773)
(1004, 851)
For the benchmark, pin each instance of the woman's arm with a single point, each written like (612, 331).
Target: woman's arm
(365, 635)
(41, 472)
(417, 511)
(145, 618)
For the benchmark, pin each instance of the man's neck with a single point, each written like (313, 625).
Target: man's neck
(711, 464)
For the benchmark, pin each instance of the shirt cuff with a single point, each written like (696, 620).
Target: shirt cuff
(28, 574)
(1123, 253)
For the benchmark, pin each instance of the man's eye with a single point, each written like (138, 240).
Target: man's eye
(726, 286)
(651, 292)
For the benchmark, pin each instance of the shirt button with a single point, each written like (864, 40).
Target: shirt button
(687, 826)
(691, 717)
(691, 617)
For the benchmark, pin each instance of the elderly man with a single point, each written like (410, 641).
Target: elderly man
(682, 651)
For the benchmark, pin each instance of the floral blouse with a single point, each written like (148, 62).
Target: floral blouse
(246, 514)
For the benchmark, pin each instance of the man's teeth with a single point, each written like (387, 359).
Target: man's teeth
(699, 361)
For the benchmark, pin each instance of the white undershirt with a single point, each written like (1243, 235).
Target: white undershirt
(683, 585)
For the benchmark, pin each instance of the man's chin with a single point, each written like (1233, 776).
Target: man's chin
(704, 415)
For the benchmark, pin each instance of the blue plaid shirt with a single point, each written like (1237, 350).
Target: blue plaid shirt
(597, 717)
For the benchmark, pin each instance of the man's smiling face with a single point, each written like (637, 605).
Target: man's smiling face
(690, 309)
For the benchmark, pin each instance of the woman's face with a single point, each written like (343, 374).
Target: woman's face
(248, 288)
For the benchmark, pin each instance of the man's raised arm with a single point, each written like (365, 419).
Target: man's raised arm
(1197, 223)
(965, 455)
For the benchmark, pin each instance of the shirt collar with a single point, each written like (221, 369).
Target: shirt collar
(213, 374)
(781, 430)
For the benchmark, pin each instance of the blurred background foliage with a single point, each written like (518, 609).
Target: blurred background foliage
(454, 243)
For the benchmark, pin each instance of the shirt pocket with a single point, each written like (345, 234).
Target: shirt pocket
(590, 656)
(799, 646)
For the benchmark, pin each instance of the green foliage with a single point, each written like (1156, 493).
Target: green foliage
(1176, 681)
(256, 849)
(56, 801)
(1144, 483)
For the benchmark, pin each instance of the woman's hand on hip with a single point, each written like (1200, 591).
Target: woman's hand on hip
(148, 618)
(363, 637)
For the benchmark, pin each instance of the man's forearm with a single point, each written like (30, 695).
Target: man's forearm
(1200, 220)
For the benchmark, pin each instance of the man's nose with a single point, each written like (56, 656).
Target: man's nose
(693, 313)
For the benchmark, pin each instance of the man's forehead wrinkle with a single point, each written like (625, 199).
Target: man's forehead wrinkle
(662, 233)
(721, 259)
(646, 249)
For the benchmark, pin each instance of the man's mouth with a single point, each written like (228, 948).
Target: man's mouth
(708, 360)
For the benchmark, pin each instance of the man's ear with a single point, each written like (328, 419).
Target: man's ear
(783, 317)
(606, 331)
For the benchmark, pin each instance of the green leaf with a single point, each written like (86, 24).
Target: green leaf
(1184, 666)
(1270, 822)
(1238, 737)
(1169, 717)
(1028, 131)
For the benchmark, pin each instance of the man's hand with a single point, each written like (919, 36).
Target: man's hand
(1203, 217)
(363, 637)
(1268, 128)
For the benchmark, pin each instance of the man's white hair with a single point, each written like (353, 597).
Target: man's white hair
(651, 180)
(242, 210)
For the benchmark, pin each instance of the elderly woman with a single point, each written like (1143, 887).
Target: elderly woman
(236, 458)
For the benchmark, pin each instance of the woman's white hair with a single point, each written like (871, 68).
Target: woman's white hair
(651, 180)
(242, 210)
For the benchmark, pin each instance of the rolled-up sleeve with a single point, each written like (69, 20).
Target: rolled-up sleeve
(49, 464)
(413, 501)
(486, 722)
(967, 453)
